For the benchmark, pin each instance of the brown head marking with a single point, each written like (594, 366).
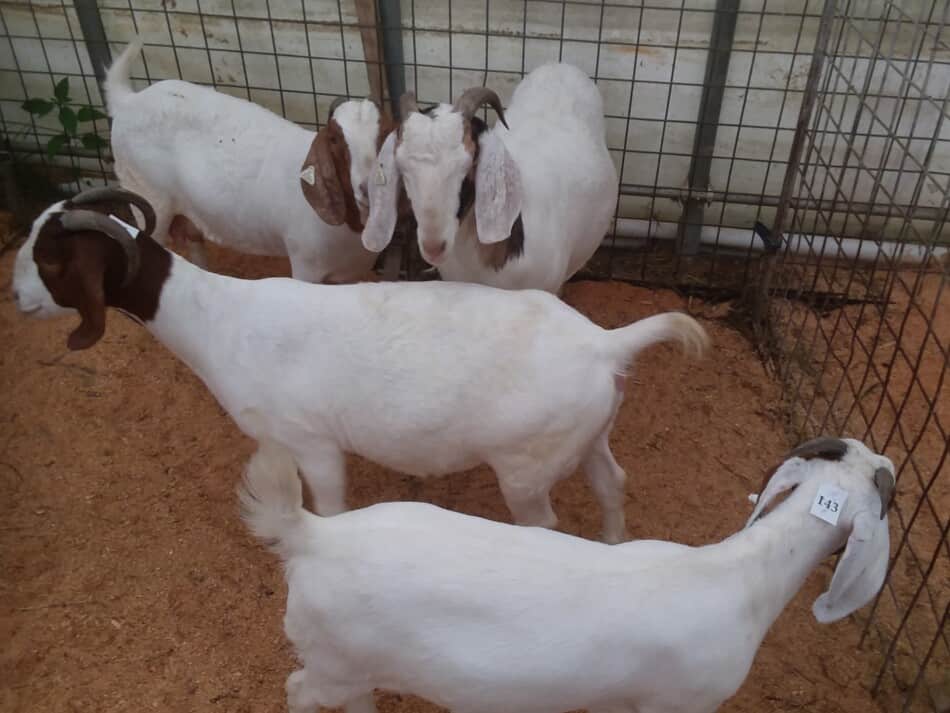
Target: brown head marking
(325, 178)
(87, 269)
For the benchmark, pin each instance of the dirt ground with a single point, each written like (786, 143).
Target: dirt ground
(127, 581)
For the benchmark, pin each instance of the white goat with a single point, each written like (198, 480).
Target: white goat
(424, 378)
(544, 191)
(243, 176)
(482, 617)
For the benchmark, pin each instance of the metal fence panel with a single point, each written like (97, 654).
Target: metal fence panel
(862, 341)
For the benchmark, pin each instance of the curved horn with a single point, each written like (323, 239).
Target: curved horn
(74, 220)
(821, 447)
(111, 193)
(407, 105)
(336, 105)
(884, 481)
(476, 97)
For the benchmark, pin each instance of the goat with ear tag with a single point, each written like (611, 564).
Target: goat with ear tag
(500, 618)
(220, 168)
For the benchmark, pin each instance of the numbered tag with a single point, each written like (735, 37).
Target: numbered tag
(380, 176)
(828, 503)
(130, 229)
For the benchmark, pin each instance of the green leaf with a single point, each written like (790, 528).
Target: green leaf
(87, 113)
(92, 141)
(55, 144)
(67, 117)
(62, 90)
(39, 107)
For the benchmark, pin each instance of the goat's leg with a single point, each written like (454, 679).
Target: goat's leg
(323, 467)
(607, 480)
(304, 694)
(528, 499)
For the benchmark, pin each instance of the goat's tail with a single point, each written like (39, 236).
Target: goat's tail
(625, 342)
(118, 86)
(272, 500)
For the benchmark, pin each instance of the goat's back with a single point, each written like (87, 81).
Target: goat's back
(214, 158)
(559, 94)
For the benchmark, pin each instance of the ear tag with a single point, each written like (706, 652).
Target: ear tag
(828, 503)
(380, 176)
(130, 229)
(308, 176)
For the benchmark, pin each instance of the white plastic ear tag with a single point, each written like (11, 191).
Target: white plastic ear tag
(130, 229)
(308, 176)
(828, 503)
(380, 176)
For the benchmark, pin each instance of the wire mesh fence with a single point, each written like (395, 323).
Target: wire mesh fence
(862, 339)
(701, 147)
(796, 146)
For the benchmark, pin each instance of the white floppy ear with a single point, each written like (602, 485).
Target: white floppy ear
(861, 571)
(788, 475)
(383, 198)
(497, 190)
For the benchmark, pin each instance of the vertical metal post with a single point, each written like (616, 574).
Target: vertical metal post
(810, 95)
(725, 16)
(390, 16)
(94, 36)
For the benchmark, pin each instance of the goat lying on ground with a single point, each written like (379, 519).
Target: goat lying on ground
(424, 378)
(483, 617)
(524, 207)
(216, 166)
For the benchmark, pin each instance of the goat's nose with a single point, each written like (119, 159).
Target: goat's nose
(434, 250)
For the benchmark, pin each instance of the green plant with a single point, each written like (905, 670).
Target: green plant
(70, 116)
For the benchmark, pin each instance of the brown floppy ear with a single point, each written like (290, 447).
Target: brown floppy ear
(86, 282)
(319, 181)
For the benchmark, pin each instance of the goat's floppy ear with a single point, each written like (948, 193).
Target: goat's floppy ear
(498, 192)
(860, 572)
(86, 280)
(788, 475)
(319, 180)
(383, 198)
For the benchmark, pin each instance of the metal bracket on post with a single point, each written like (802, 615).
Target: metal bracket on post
(725, 16)
(94, 36)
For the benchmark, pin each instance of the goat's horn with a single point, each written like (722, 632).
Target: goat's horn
(335, 105)
(407, 105)
(476, 97)
(885, 482)
(111, 193)
(74, 220)
(821, 447)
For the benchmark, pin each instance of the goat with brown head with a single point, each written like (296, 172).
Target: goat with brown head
(85, 254)
(328, 175)
(220, 168)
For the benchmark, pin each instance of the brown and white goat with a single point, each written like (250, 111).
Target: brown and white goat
(217, 167)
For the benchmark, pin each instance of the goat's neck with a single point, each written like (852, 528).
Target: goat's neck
(186, 308)
(777, 554)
